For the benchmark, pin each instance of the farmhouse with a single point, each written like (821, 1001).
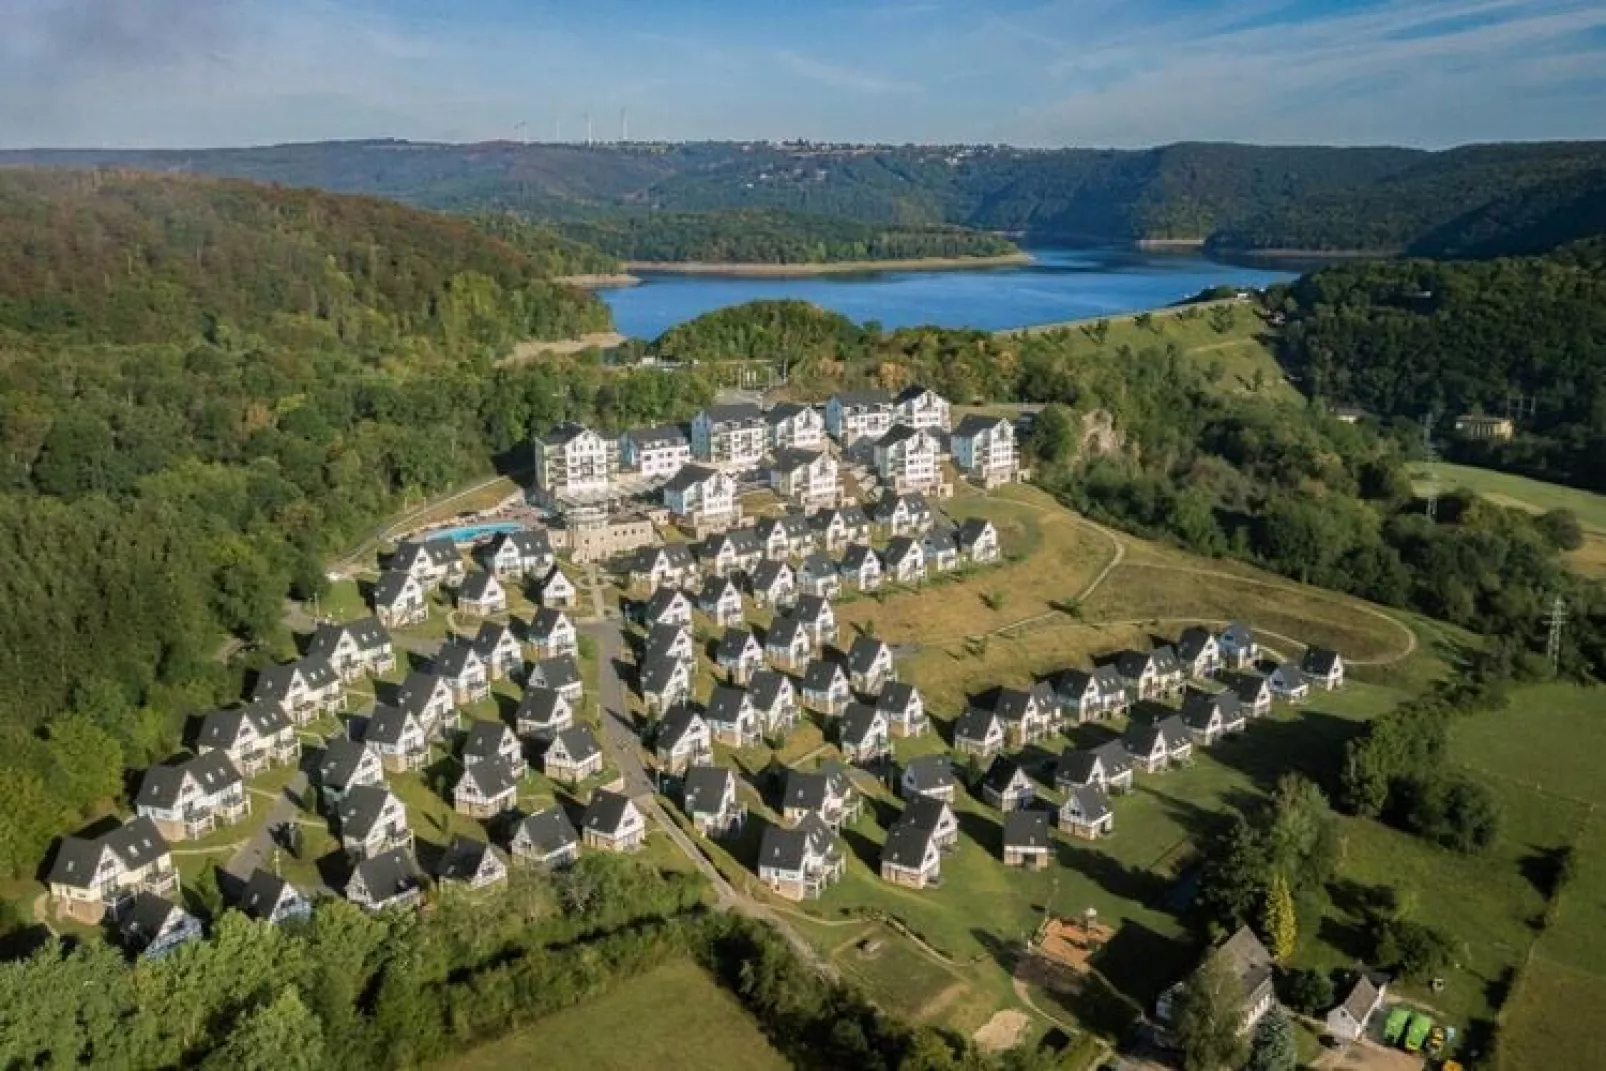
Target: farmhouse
(398, 737)
(1026, 839)
(269, 898)
(1209, 716)
(542, 714)
(801, 862)
(1238, 647)
(708, 794)
(656, 453)
(910, 857)
(739, 655)
(729, 436)
(721, 600)
(385, 881)
(793, 426)
(574, 462)
(551, 633)
(836, 528)
(354, 648)
(254, 737)
(731, 718)
(870, 664)
(346, 764)
(303, 690)
(372, 821)
(1199, 652)
(1006, 786)
(854, 415)
(921, 407)
(192, 795)
(153, 926)
(97, 878)
(573, 755)
(1288, 682)
(491, 741)
(1323, 668)
(481, 595)
(400, 599)
(905, 560)
(1086, 812)
(703, 500)
(499, 649)
(826, 688)
(979, 732)
(1107, 766)
(809, 478)
(527, 552)
(863, 734)
(904, 708)
(612, 823)
(861, 567)
(432, 562)
(461, 666)
(773, 584)
(670, 565)
(429, 698)
(978, 541)
(826, 793)
(928, 775)
(487, 789)
(1159, 744)
(984, 450)
(774, 701)
(668, 606)
(1094, 695)
(816, 616)
(683, 740)
(545, 839)
(471, 864)
(556, 589)
(818, 576)
(1252, 965)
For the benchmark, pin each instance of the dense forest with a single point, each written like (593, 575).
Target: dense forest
(768, 237)
(551, 253)
(1471, 201)
(157, 498)
(1406, 338)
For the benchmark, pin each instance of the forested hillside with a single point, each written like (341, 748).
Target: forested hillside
(768, 237)
(1400, 339)
(1477, 200)
(133, 258)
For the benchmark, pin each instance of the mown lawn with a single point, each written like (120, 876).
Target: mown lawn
(673, 1018)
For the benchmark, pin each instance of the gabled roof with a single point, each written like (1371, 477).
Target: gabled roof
(664, 600)
(135, 843)
(463, 858)
(454, 658)
(486, 739)
(1363, 997)
(770, 573)
(822, 675)
(1075, 766)
(818, 565)
(976, 723)
(715, 588)
(865, 652)
(1249, 959)
(857, 556)
(1113, 756)
(162, 784)
(578, 742)
(739, 413)
(942, 542)
(790, 459)
(862, 399)
(859, 722)
(559, 672)
(387, 725)
(1026, 829)
(677, 725)
(1292, 676)
(1192, 643)
(705, 788)
(782, 848)
(438, 549)
(222, 728)
(972, 529)
(929, 773)
(361, 810)
(900, 548)
(1198, 708)
(907, 845)
(528, 542)
(888, 504)
(692, 476)
(1002, 774)
(491, 635)
(1319, 661)
(1091, 802)
(663, 435)
(743, 543)
(675, 555)
(417, 690)
(263, 893)
(548, 620)
(811, 608)
(766, 687)
(1238, 634)
(725, 704)
(897, 697)
(566, 432)
(915, 391)
(975, 423)
(849, 516)
(145, 919)
(367, 633)
(388, 874)
(658, 672)
(339, 762)
(784, 411)
(1248, 687)
(1165, 659)
(664, 635)
(548, 831)
(735, 643)
(806, 789)
(479, 586)
(273, 682)
(606, 812)
(492, 779)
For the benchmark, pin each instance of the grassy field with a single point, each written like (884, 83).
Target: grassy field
(673, 1018)
(1536, 496)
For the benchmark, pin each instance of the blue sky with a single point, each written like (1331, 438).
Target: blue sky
(1067, 72)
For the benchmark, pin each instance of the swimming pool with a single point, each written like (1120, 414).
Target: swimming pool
(473, 533)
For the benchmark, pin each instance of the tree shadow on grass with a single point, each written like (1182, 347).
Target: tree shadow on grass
(985, 832)
(1110, 874)
(1139, 963)
(863, 848)
(1313, 745)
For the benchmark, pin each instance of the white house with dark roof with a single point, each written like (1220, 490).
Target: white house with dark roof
(269, 898)
(545, 839)
(486, 789)
(1086, 812)
(736, 550)
(398, 737)
(556, 589)
(739, 654)
(354, 648)
(1027, 842)
(1107, 766)
(904, 707)
(665, 682)
(430, 698)
(1029, 714)
(670, 641)
(861, 414)
(667, 606)
(904, 560)
(492, 741)
(708, 794)
(682, 740)
(432, 562)
(861, 567)
(472, 865)
(400, 599)
(731, 717)
(500, 649)
(612, 823)
(940, 550)
(573, 755)
(671, 565)
(655, 453)
(1253, 692)
(481, 594)
(561, 674)
(346, 764)
(542, 714)
(551, 633)
(816, 615)
(1323, 668)
(870, 664)
(1210, 716)
(863, 734)
(729, 436)
(703, 499)
(774, 702)
(826, 793)
(1289, 682)
(836, 528)
(978, 541)
(1347, 1022)
(1253, 966)
(721, 600)
(190, 796)
(979, 732)
(575, 462)
(527, 552)
(372, 821)
(922, 407)
(818, 576)
(461, 665)
(1151, 674)
(984, 450)
(910, 857)
(1239, 648)
(902, 514)
(810, 478)
(387, 881)
(1091, 695)
(800, 863)
(790, 536)
(1006, 786)
(1159, 744)
(303, 690)
(94, 878)
(909, 459)
(773, 583)
(153, 926)
(826, 687)
(1199, 652)
(928, 775)
(794, 426)
(255, 737)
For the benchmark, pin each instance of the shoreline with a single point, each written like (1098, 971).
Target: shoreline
(609, 281)
(1173, 309)
(835, 267)
(1308, 254)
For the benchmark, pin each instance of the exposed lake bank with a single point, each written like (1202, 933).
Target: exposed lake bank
(833, 267)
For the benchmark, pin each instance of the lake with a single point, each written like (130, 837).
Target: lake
(1060, 284)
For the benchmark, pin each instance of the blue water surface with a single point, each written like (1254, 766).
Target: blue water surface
(473, 533)
(1060, 284)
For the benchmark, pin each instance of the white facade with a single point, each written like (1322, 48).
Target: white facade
(919, 407)
(657, 453)
(858, 415)
(730, 436)
(702, 496)
(795, 427)
(815, 483)
(909, 459)
(574, 461)
(985, 450)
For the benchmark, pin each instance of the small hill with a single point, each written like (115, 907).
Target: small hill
(124, 257)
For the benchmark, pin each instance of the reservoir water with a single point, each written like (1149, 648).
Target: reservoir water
(1060, 284)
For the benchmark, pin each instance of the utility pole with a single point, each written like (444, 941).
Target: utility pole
(588, 130)
(1557, 621)
(624, 125)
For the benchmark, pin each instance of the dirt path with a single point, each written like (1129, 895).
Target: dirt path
(597, 340)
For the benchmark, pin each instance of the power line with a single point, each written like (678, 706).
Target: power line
(1557, 621)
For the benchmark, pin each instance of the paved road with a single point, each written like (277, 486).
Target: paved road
(258, 851)
(621, 743)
